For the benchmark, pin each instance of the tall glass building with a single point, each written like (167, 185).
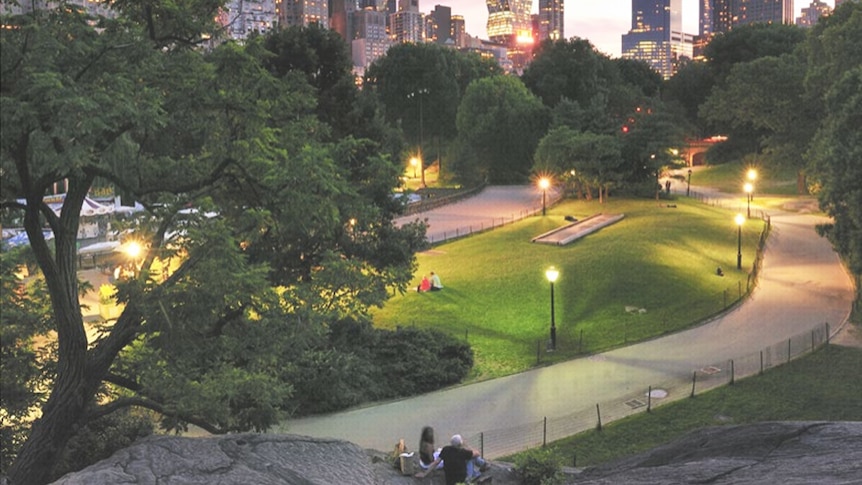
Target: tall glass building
(551, 20)
(508, 19)
(655, 34)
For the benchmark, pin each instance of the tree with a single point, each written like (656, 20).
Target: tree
(640, 75)
(499, 125)
(766, 96)
(268, 233)
(421, 86)
(688, 88)
(322, 57)
(570, 69)
(589, 159)
(749, 42)
(834, 78)
(649, 136)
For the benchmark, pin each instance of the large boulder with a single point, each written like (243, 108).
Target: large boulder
(774, 452)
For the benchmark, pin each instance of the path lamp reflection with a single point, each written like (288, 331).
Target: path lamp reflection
(740, 220)
(749, 188)
(544, 183)
(552, 275)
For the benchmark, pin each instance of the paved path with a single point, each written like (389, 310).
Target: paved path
(494, 206)
(802, 284)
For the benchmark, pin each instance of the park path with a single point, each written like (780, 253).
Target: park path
(494, 206)
(802, 283)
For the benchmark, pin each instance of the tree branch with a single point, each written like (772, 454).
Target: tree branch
(127, 402)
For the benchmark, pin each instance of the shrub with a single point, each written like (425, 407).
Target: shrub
(539, 467)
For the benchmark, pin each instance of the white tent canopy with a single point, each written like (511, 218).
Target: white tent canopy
(89, 208)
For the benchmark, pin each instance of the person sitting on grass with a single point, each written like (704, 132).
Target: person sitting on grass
(425, 285)
(435, 282)
(459, 463)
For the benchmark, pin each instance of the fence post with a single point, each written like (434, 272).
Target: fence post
(761, 362)
(649, 400)
(693, 381)
(812, 340)
(544, 431)
(574, 460)
(788, 349)
(827, 333)
(599, 414)
(732, 372)
(482, 443)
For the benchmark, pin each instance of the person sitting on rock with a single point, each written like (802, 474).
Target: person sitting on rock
(459, 462)
(427, 452)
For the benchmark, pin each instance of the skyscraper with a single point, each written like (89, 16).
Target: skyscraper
(242, 17)
(508, 19)
(304, 12)
(724, 15)
(656, 28)
(407, 25)
(441, 24)
(812, 13)
(551, 20)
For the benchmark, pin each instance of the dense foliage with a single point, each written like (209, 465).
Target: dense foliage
(260, 227)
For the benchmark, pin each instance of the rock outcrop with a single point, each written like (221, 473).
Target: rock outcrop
(779, 452)
(783, 452)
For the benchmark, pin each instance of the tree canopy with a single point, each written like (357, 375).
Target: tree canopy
(259, 231)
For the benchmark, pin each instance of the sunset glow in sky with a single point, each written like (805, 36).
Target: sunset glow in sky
(602, 23)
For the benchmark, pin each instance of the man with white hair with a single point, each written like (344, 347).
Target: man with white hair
(458, 462)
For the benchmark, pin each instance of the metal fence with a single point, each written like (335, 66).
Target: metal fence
(505, 441)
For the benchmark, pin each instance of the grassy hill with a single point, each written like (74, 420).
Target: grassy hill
(659, 262)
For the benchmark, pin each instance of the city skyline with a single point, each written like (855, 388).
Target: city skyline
(603, 25)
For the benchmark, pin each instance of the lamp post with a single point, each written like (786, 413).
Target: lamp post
(748, 189)
(418, 94)
(752, 176)
(739, 221)
(544, 183)
(552, 275)
(688, 185)
(414, 162)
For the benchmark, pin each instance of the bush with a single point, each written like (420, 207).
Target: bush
(539, 467)
(366, 364)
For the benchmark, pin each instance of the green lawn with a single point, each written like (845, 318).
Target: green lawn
(657, 258)
(824, 386)
(730, 178)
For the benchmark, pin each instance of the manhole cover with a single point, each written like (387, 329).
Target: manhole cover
(657, 393)
(710, 370)
(635, 403)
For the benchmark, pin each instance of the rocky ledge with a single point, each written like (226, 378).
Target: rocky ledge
(782, 452)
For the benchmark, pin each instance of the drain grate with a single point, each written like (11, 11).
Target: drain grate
(635, 403)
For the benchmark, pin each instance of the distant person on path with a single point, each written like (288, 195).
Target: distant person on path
(435, 282)
(667, 186)
(459, 462)
(427, 452)
(425, 285)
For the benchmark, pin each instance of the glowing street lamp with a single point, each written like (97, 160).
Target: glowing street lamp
(748, 187)
(752, 176)
(552, 275)
(544, 183)
(740, 220)
(414, 162)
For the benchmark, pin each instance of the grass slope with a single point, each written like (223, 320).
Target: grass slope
(823, 386)
(657, 258)
(730, 178)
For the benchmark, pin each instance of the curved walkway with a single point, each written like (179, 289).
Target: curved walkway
(802, 283)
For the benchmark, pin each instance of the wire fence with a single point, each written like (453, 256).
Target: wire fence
(505, 441)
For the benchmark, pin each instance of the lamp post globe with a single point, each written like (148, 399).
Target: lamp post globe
(552, 274)
(740, 220)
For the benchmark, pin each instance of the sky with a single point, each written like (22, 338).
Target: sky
(601, 22)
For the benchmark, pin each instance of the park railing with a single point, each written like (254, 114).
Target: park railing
(495, 443)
